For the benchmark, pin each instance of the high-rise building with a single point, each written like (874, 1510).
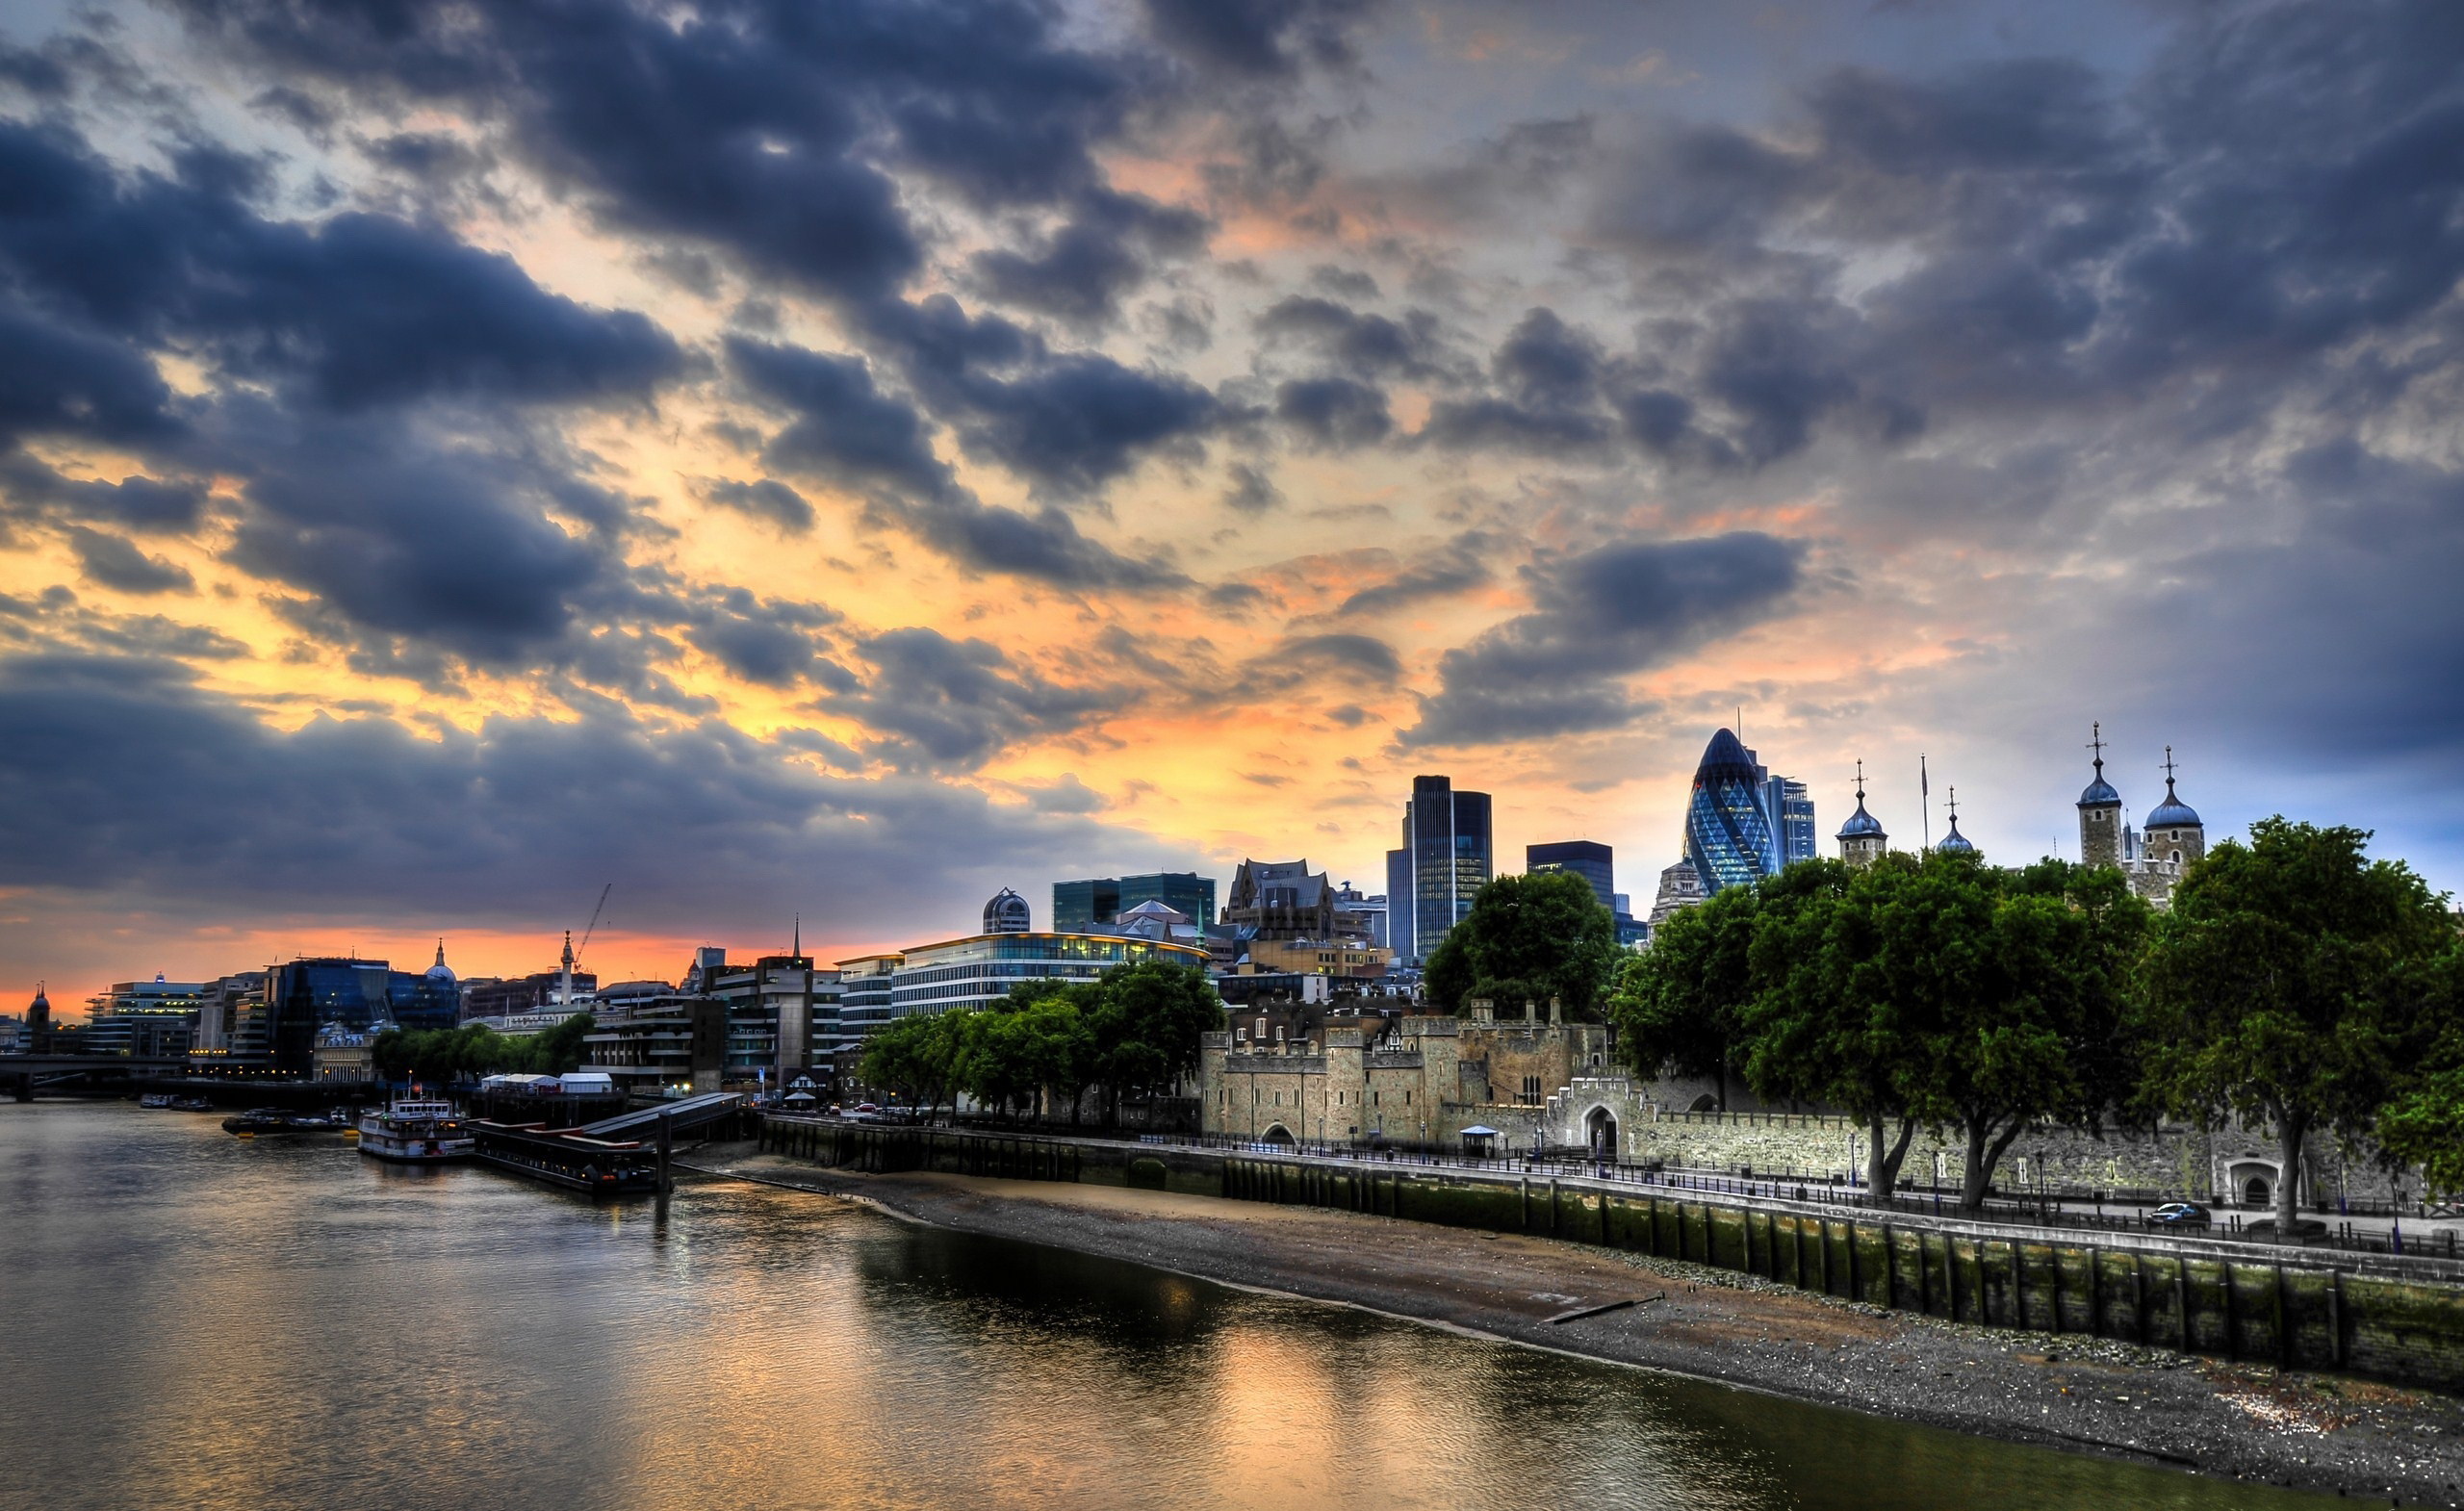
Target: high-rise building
(1588, 858)
(1448, 857)
(1007, 914)
(1790, 806)
(1728, 833)
(1079, 906)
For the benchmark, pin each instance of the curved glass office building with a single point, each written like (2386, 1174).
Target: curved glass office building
(981, 969)
(1728, 836)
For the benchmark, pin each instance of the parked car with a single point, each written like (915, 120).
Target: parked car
(2180, 1214)
(2304, 1229)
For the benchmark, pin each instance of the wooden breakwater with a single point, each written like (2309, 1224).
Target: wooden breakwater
(2402, 1322)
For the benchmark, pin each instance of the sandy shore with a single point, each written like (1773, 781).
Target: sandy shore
(2250, 1421)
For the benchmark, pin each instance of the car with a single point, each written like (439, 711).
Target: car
(2179, 1215)
(2304, 1229)
(866, 1106)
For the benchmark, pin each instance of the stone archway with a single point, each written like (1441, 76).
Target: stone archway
(1599, 1131)
(2252, 1182)
(1277, 1133)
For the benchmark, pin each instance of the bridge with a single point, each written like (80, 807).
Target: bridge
(21, 1076)
(692, 1112)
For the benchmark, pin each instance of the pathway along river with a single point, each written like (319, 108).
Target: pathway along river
(189, 1319)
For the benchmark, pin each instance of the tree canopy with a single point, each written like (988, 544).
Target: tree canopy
(474, 1049)
(2287, 984)
(1679, 1005)
(1132, 1031)
(1528, 938)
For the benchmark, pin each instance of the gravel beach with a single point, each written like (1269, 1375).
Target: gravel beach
(2377, 1444)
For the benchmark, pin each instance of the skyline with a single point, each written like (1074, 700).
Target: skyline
(835, 464)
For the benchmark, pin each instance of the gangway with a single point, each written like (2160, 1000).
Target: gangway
(690, 1112)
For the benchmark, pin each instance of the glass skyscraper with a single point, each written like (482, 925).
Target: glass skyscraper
(1448, 857)
(1588, 858)
(1730, 835)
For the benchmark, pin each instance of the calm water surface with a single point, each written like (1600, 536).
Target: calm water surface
(192, 1319)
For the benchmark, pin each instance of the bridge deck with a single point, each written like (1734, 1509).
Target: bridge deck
(690, 1113)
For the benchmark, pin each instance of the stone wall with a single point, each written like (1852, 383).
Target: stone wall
(2174, 1160)
(2400, 1320)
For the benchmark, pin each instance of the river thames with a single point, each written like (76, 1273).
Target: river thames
(207, 1322)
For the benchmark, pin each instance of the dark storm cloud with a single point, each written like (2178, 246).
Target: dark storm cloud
(773, 644)
(846, 430)
(1361, 346)
(763, 499)
(60, 382)
(1068, 422)
(1105, 249)
(53, 621)
(1548, 379)
(361, 310)
(113, 561)
(934, 701)
(28, 489)
(402, 536)
(1596, 619)
(1250, 490)
(128, 781)
(852, 434)
(1259, 38)
(1332, 413)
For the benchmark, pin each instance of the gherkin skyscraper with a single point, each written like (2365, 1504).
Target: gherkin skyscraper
(1728, 835)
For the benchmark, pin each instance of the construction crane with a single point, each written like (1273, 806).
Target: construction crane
(572, 957)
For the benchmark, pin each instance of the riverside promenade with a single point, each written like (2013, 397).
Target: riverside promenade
(2394, 1317)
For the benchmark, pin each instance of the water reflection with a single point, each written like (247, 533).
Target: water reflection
(245, 1325)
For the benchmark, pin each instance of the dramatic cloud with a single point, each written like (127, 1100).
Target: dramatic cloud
(1597, 618)
(938, 701)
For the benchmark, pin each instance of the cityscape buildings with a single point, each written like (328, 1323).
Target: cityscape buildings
(1078, 907)
(1593, 861)
(1741, 822)
(1447, 856)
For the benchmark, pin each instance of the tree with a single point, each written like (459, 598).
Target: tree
(558, 1050)
(1146, 1026)
(1678, 1007)
(2285, 983)
(917, 1056)
(1839, 1014)
(1528, 938)
(2027, 976)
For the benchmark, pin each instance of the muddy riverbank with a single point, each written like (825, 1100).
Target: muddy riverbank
(2244, 1420)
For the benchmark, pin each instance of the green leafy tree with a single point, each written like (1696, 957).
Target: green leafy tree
(556, 1050)
(1146, 1025)
(1844, 1008)
(918, 1057)
(1528, 938)
(1679, 1005)
(2027, 976)
(2287, 984)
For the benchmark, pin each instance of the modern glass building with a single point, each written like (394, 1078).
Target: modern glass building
(1588, 858)
(981, 969)
(1790, 809)
(1448, 857)
(1728, 836)
(1080, 906)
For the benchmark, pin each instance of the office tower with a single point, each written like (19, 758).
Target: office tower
(1448, 852)
(1593, 861)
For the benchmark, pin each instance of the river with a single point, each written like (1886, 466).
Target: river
(192, 1319)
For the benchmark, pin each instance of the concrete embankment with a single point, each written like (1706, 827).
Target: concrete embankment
(2395, 1320)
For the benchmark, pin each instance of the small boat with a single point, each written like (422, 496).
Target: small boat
(415, 1133)
(192, 1104)
(155, 1100)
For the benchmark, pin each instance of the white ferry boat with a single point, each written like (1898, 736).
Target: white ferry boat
(415, 1133)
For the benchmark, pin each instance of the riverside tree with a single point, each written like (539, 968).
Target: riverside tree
(1679, 1005)
(1528, 938)
(1837, 1017)
(474, 1049)
(2025, 976)
(2287, 984)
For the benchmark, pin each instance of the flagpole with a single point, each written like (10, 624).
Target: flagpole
(1925, 800)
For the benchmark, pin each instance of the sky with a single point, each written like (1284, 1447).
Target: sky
(835, 461)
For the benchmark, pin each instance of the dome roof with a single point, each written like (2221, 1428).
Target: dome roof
(2099, 793)
(440, 974)
(1861, 825)
(1955, 843)
(2172, 813)
(1007, 914)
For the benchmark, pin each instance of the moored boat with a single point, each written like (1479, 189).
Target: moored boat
(275, 1120)
(155, 1100)
(415, 1133)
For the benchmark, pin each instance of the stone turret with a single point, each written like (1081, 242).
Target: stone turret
(1862, 840)
(2099, 812)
